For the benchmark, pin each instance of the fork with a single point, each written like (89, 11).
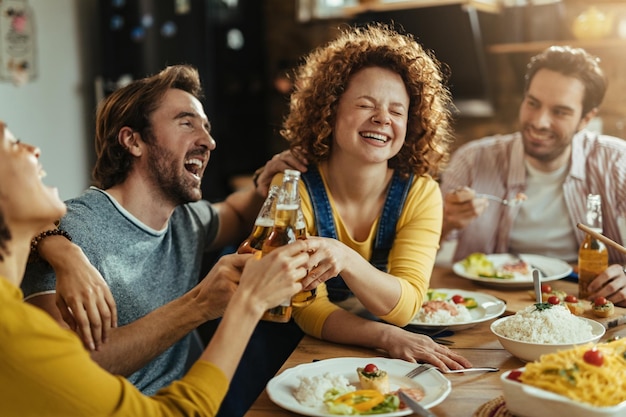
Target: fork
(426, 367)
(418, 370)
(504, 202)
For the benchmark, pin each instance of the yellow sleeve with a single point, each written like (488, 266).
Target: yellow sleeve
(311, 318)
(412, 256)
(46, 371)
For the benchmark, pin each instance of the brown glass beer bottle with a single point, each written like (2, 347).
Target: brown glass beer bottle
(283, 232)
(593, 255)
(262, 225)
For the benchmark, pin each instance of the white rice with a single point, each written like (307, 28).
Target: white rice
(554, 325)
(443, 316)
(311, 390)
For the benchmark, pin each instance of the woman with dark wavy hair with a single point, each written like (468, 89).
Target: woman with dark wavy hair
(371, 114)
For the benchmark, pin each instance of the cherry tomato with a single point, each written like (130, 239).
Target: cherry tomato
(600, 301)
(553, 299)
(370, 368)
(547, 288)
(458, 299)
(594, 357)
(571, 299)
(515, 375)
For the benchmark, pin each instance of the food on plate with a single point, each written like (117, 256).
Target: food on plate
(311, 390)
(416, 393)
(479, 264)
(519, 266)
(468, 302)
(545, 323)
(601, 307)
(547, 292)
(443, 308)
(574, 305)
(366, 401)
(442, 312)
(338, 396)
(591, 374)
(370, 377)
(439, 308)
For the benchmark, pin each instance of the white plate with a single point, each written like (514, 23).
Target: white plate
(552, 269)
(281, 388)
(489, 307)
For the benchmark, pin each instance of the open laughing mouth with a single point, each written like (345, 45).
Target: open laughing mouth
(194, 166)
(375, 136)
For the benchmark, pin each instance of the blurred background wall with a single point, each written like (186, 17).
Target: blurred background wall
(246, 50)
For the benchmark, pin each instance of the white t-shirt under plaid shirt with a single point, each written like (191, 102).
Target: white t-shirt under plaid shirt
(495, 165)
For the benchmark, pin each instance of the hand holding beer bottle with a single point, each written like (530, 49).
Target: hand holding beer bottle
(284, 232)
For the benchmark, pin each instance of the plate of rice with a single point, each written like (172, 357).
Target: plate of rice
(301, 389)
(440, 311)
(544, 328)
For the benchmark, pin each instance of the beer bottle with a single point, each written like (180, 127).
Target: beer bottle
(262, 225)
(303, 298)
(593, 255)
(283, 232)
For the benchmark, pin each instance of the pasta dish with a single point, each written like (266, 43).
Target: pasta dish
(592, 374)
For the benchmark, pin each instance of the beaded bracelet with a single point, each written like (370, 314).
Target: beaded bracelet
(34, 253)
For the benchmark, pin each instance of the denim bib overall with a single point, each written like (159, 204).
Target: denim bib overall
(385, 235)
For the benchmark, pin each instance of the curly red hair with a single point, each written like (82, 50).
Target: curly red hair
(323, 77)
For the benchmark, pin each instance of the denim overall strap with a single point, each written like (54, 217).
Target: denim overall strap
(386, 232)
(325, 224)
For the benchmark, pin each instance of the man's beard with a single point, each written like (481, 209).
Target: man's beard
(556, 150)
(173, 184)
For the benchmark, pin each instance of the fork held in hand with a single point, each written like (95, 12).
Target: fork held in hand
(505, 202)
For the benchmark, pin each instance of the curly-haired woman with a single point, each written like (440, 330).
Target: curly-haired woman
(371, 114)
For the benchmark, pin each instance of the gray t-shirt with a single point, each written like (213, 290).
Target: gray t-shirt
(145, 268)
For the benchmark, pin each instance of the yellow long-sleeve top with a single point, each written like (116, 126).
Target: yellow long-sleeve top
(411, 258)
(45, 371)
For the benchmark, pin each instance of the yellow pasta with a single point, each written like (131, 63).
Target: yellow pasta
(567, 373)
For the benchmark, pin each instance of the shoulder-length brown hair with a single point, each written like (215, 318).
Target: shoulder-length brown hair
(323, 77)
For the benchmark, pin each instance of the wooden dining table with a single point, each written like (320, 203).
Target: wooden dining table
(469, 391)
